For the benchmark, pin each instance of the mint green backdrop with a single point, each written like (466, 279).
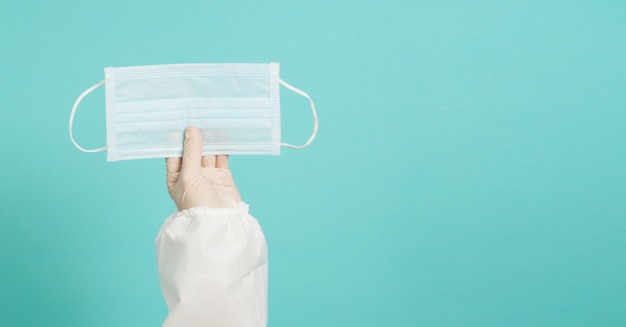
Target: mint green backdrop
(469, 168)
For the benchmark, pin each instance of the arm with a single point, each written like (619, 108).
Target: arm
(211, 254)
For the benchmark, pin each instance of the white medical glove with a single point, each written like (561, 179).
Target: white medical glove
(197, 181)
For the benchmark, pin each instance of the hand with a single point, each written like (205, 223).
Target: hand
(196, 181)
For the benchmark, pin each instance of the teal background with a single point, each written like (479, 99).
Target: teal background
(469, 167)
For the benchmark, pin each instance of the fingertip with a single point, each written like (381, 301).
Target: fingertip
(221, 161)
(193, 137)
(191, 130)
(192, 150)
(208, 161)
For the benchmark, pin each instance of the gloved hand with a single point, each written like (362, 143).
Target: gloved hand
(196, 181)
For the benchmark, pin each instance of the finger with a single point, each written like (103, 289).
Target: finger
(221, 161)
(192, 151)
(208, 161)
(172, 165)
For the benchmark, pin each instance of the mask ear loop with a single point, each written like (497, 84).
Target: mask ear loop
(315, 123)
(78, 100)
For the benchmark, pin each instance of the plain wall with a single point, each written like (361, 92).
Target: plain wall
(469, 168)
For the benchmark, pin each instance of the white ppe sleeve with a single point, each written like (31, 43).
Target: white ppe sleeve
(213, 268)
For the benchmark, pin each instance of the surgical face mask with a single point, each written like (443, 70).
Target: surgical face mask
(236, 106)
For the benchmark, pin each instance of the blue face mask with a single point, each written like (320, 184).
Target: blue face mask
(236, 106)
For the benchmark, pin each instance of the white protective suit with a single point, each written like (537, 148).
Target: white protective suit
(213, 268)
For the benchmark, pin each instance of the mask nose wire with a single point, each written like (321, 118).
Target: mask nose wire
(313, 110)
(78, 100)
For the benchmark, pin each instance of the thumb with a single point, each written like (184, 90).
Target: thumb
(192, 152)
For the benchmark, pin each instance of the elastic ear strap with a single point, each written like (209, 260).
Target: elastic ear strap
(80, 98)
(302, 93)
